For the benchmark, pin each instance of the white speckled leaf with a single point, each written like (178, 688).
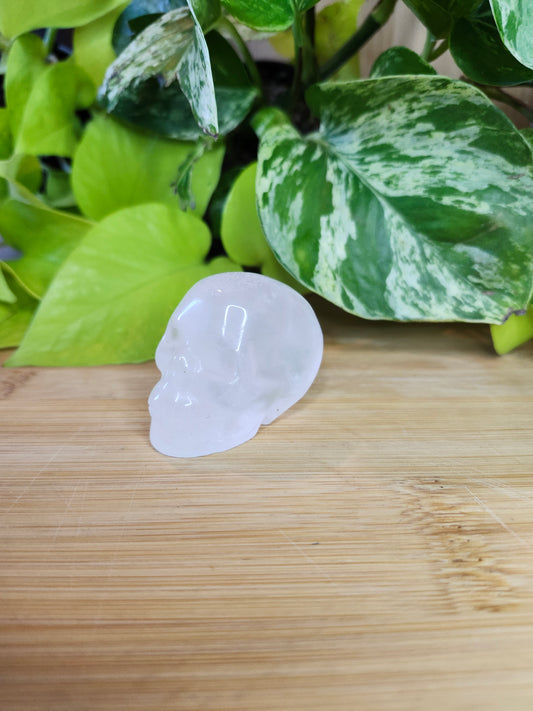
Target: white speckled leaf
(414, 201)
(173, 48)
(515, 23)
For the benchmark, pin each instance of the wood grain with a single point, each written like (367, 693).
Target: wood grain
(372, 549)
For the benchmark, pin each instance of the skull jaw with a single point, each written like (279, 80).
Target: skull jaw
(200, 436)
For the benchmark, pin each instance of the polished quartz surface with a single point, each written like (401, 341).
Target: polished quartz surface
(238, 351)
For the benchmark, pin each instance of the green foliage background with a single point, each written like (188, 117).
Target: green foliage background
(152, 150)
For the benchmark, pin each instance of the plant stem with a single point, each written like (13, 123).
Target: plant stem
(249, 62)
(377, 18)
(305, 65)
(50, 39)
(429, 46)
(438, 51)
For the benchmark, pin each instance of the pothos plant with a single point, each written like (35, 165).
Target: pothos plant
(148, 149)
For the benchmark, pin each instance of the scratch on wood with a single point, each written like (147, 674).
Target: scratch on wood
(308, 558)
(496, 517)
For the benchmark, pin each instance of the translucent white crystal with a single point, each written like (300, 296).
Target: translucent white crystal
(238, 351)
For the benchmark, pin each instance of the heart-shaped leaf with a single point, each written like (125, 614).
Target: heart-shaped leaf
(169, 49)
(112, 298)
(401, 208)
(514, 19)
(116, 166)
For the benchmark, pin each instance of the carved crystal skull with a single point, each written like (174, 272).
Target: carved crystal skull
(238, 351)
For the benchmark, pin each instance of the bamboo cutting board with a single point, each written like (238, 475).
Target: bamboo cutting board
(372, 549)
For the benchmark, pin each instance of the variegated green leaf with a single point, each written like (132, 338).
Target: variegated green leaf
(172, 48)
(515, 23)
(399, 60)
(166, 111)
(267, 15)
(414, 201)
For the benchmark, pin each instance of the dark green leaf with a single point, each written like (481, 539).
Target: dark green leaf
(515, 23)
(399, 60)
(112, 298)
(439, 15)
(413, 202)
(166, 111)
(116, 166)
(479, 52)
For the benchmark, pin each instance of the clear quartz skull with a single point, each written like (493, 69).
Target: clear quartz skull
(238, 351)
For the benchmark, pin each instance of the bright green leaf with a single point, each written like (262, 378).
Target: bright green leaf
(15, 317)
(171, 48)
(44, 236)
(42, 100)
(513, 333)
(111, 300)
(166, 111)
(267, 15)
(6, 294)
(399, 60)
(400, 207)
(92, 45)
(18, 16)
(6, 140)
(241, 232)
(116, 166)
(478, 50)
(515, 23)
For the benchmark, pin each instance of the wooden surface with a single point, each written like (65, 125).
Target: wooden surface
(372, 549)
